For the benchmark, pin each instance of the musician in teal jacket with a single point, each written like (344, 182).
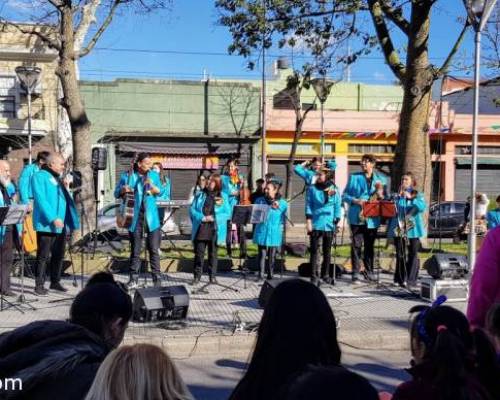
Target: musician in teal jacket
(25, 179)
(54, 215)
(361, 187)
(493, 216)
(268, 235)
(145, 186)
(323, 212)
(209, 213)
(309, 170)
(406, 228)
(232, 182)
(165, 190)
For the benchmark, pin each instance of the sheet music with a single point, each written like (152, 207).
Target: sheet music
(15, 214)
(259, 213)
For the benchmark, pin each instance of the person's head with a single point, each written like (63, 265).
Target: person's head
(408, 180)
(56, 163)
(104, 308)
(4, 172)
(316, 164)
(140, 371)
(326, 383)
(441, 337)
(201, 181)
(157, 167)
(259, 184)
(493, 325)
(498, 201)
(143, 162)
(41, 157)
(214, 183)
(232, 164)
(269, 176)
(297, 329)
(324, 175)
(368, 162)
(271, 189)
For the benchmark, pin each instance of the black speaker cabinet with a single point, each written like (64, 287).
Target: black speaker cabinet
(252, 264)
(447, 266)
(267, 290)
(160, 303)
(305, 270)
(99, 158)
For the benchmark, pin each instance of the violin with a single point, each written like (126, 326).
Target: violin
(244, 195)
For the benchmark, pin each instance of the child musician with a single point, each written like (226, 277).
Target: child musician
(268, 235)
(407, 227)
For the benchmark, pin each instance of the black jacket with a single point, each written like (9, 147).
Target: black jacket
(53, 359)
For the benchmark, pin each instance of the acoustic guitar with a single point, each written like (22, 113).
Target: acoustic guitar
(125, 212)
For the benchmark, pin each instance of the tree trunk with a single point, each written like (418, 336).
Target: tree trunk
(80, 125)
(413, 148)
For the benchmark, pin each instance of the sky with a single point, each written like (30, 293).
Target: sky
(186, 41)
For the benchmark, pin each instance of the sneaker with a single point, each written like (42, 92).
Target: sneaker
(196, 280)
(58, 287)
(356, 282)
(326, 279)
(41, 291)
(212, 279)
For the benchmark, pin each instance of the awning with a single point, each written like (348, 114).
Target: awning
(181, 148)
(480, 160)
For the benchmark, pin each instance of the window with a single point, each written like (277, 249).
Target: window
(459, 208)
(371, 148)
(7, 107)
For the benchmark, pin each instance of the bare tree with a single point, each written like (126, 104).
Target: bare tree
(71, 22)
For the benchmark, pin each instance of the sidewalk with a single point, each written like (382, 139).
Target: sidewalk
(223, 322)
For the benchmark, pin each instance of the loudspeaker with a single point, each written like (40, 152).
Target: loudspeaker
(252, 264)
(305, 270)
(160, 303)
(99, 158)
(296, 249)
(267, 290)
(121, 265)
(447, 266)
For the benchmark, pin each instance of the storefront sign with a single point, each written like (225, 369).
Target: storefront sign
(186, 162)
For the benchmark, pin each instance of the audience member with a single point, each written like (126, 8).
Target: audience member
(485, 284)
(141, 371)
(449, 361)
(328, 383)
(297, 329)
(58, 359)
(259, 190)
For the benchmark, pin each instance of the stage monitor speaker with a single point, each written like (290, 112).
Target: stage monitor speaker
(252, 264)
(297, 249)
(99, 158)
(160, 303)
(267, 290)
(305, 270)
(447, 266)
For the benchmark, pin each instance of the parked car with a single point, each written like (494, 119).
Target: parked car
(445, 218)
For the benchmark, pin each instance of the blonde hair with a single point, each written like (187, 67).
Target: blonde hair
(141, 371)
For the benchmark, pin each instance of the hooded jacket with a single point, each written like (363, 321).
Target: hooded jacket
(52, 359)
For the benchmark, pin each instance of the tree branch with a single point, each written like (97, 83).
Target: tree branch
(395, 16)
(390, 53)
(101, 30)
(88, 18)
(51, 43)
(441, 71)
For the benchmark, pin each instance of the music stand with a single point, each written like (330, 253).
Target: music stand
(14, 215)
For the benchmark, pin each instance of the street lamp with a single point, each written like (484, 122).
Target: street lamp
(29, 78)
(478, 12)
(322, 87)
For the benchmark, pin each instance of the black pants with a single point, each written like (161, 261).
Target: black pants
(153, 240)
(199, 256)
(50, 253)
(6, 256)
(267, 260)
(316, 237)
(362, 237)
(241, 238)
(407, 262)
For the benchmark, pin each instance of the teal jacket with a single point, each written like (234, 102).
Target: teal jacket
(270, 232)
(25, 183)
(413, 211)
(134, 181)
(493, 218)
(323, 209)
(222, 215)
(308, 174)
(3, 228)
(52, 201)
(229, 187)
(165, 190)
(357, 188)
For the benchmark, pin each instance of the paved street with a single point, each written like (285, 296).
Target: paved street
(213, 378)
